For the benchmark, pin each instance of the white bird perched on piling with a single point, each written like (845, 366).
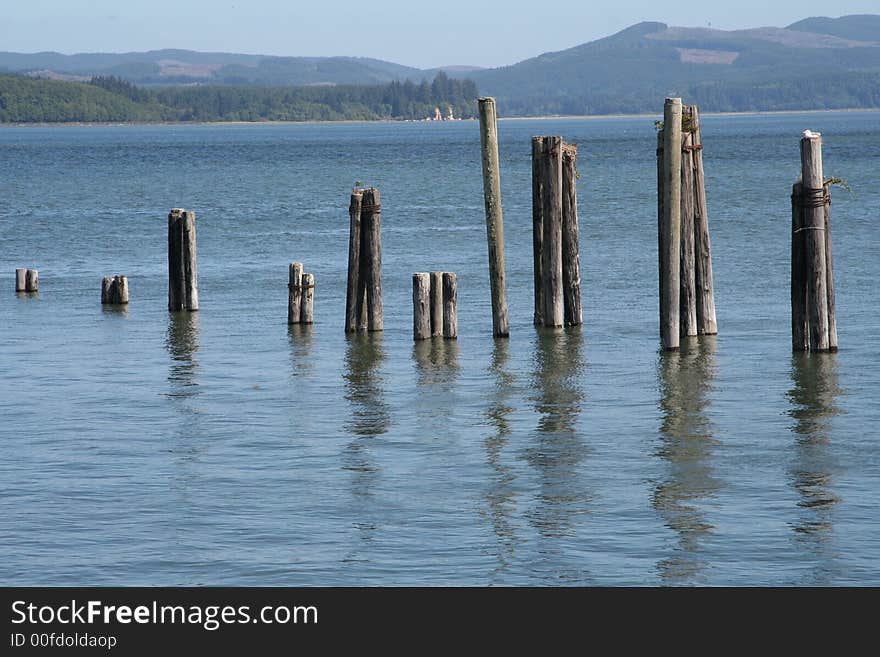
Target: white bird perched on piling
(809, 134)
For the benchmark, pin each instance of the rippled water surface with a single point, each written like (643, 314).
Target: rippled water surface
(223, 447)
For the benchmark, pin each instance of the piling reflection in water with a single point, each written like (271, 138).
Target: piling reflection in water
(500, 494)
(436, 361)
(300, 338)
(686, 446)
(813, 398)
(182, 343)
(557, 448)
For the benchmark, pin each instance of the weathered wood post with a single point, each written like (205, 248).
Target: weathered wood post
(538, 226)
(450, 305)
(670, 225)
(355, 307)
(494, 219)
(183, 284)
(687, 279)
(294, 293)
(114, 290)
(307, 304)
(422, 295)
(707, 323)
(371, 257)
(551, 255)
(21, 280)
(829, 274)
(436, 303)
(800, 332)
(32, 281)
(813, 201)
(571, 267)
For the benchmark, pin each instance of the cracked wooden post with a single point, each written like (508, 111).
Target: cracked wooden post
(669, 237)
(114, 290)
(294, 293)
(538, 226)
(32, 280)
(422, 294)
(307, 304)
(436, 303)
(450, 305)
(494, 218)
(355, 306)
(687, 274)
(551, 254)
(20, 280)
(571, 267)
(813, 201)
(183, 283)
(371, 257)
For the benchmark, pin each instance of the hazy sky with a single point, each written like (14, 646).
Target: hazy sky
(412, 32)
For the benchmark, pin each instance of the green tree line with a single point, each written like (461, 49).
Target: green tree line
(111, 99)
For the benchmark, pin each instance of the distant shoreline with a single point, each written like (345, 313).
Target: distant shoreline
(551, 117)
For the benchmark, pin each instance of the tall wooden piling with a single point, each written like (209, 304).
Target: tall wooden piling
(551, 254)
(813, 201)
(450, 305)
(183, 285)
(571, 267)
(20, 280)
(538, 226)
(670, 225)
(422, 305)
(707, 324)
(371, 256)
(687, 279)
(800, 332)
(436, 303)
(494, 219)
(294, 293)
(355, 303)
(307, 305)
(114, 290)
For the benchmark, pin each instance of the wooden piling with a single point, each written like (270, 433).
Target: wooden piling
(494, 218)
(355, 306)
(538, 226)
(114, 290)
(371, 257)
(571, 267)
(707, 324)
(551, 255)
(422, 296)
(294, 293)
(450, 305)
(183, 285)
(829, 275)
(687, 281)
(307, 304)
(436, 303)
(32, 281)
(670, 225)
(813, 200)
(800, 332)
(21, 280)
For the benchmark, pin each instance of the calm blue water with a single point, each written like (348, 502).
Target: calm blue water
(223, 447)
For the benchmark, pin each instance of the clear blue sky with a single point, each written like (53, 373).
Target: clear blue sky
(412, 32)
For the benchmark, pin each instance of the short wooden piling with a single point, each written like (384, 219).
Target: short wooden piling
(183, 285)
(436, 303)
(670, 225)
(494, 218)
(32, 281)
(422, 295)
(450, 305)
(355, 306)
(538, 226)
(571, 268)
(371, 256)
(21, 280)
(114, 290)
(813, 200)
(551, 254)
(687, 279)
(707, 324)
(307, 303)
(800, 332)
(294, 293)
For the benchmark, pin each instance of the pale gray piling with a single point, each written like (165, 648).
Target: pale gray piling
(307, 303)
(670, 225)
(21, 280)
(450, 305)
(813, 200)
(371, 257)
(687, 279)
(551, 254)
(294, 293)
(571, 267)
(494, 218)
(436, 303)
(422, 295)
